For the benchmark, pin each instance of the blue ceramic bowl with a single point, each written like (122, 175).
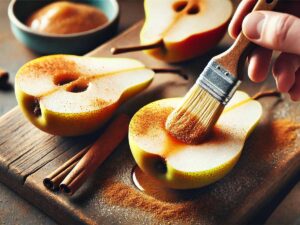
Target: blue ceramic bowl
(77, 43)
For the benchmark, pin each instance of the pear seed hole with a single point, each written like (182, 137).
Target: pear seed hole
(179, 6)
(160, 166)
(193, 10)
(36, 108)
(63, 79)
(79, 87)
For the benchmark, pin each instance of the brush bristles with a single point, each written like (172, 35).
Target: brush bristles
(193, 119)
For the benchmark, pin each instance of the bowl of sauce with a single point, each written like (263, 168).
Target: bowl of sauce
(69, 27)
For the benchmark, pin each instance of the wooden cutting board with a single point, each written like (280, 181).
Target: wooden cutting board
(27, 155)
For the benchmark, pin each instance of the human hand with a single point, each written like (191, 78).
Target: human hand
(272, 31)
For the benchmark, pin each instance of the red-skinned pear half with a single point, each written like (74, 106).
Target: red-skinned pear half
(188, 28)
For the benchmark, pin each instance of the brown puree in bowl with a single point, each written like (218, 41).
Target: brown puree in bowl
(66, 18)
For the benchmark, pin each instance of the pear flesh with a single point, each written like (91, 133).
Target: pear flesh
(164, 22)
(182, 166)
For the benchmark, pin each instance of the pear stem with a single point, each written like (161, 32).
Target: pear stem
(171, 70)
(120, 50)
(269, 93)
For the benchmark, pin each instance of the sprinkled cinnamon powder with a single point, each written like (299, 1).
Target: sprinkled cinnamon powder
(54, 66)
(283, 132)
(123, 195)
(270, 142)
(279, 134)
(147, 117)
(100, 103)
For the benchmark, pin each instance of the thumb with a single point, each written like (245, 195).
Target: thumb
(273, 30)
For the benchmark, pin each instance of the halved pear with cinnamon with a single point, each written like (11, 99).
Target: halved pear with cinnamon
(183, 166)
(70, 95)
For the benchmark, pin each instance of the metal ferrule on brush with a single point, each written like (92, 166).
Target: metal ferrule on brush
(218, 82)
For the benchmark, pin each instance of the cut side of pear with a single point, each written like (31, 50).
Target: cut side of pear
(76, 95)
(183, 166)
(164, 21)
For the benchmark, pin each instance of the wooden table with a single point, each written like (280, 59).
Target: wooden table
(14, 210)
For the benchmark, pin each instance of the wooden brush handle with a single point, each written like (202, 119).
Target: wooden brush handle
(233, 59)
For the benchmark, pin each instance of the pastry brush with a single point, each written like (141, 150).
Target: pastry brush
(201, 107)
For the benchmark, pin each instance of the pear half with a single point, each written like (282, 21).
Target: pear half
(188, 28)
(182, 166)
(70, 95)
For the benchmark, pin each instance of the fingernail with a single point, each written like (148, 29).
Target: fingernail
(253, 24)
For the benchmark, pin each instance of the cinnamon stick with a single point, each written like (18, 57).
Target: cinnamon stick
(95, 156)
(53, 180)
(119, 50)
(53, 184)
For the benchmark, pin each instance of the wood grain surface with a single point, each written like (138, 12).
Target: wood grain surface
(27, 155)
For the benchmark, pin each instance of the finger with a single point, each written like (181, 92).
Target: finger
(273, 30)
(243, 9)
(259, 62)
(284, 71)
(295, 90)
